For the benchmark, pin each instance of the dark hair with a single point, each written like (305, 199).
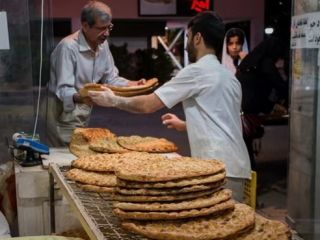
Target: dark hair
(90, 13)
(235, 32)
(211, 28)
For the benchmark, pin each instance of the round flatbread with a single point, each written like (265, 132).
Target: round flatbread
(226, 226)
(147, 144)
(107, 146)
(210, 179)
(168, 191)
(90, 87)
(154, 168)
(178, 197)
(94, 188)
(215, 209)
(266, 229)
(200, 202)
(92, 178)
(149, 83)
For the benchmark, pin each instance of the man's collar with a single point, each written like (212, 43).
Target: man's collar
(206, 56)
(83, 44)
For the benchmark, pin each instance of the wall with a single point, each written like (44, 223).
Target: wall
(229, 10)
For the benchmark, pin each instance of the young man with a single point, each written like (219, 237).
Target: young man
(211, 98)
(80, 58)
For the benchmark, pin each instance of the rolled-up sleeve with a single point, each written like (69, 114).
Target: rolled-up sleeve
(179, 88)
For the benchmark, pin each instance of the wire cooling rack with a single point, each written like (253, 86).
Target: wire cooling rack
(94, 210)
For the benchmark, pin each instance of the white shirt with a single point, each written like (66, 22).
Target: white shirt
(211, 98)
(74, 64)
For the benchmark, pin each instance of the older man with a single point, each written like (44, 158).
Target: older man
(80, 58)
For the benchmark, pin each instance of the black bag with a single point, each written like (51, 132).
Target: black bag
(252, 126)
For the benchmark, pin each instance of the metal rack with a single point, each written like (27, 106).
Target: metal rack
(94, 210)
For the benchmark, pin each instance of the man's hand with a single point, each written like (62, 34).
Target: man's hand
(104, 98)
(78, 99)
(172, 121)
(142, 81)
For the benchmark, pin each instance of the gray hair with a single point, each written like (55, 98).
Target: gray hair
(90, 13)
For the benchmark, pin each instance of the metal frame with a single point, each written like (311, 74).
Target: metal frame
(94, 210)
(170, 47)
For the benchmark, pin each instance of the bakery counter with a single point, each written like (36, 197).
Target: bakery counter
(94, 210)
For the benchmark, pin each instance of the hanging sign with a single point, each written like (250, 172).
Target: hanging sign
(200, 5)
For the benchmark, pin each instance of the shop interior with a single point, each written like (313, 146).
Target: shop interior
(147, 43)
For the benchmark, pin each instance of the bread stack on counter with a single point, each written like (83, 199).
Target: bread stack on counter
(90, 141)
(172, 198)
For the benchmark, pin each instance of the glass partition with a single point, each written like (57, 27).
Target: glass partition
(20, 69)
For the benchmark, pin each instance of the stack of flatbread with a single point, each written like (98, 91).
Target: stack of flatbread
(125, 144)
(94, 173)
(84, 92)
(124, 91)
(83, 137)
(130, 91)
(183, 198)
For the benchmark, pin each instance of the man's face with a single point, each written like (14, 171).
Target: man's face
(191, 50)
(98, 33)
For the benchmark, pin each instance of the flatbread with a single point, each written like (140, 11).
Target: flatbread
(92, 178)
(81, 150)
(215, 209)
(81, 137)
(266, 229)
(97, 189)
(90, 87)
(209, 179)
(168, 191)
(153, 168)
(79, 145)
(136, 92)
(147, 144)
(149, 83)
(103, 162)
(94, 134)
(226, 226)
(201, 202)
(107, 146)
(178, 197)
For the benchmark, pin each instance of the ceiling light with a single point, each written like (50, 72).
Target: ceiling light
(269, 30)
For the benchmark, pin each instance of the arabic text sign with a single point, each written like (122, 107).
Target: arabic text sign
(305, 31)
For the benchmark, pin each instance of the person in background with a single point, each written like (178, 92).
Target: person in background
(80, 58)
(211, 98)
(264, 85)
(235, 48)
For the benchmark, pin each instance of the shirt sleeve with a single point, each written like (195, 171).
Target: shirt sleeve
(111, 75)
(179, 88)
(64, 61)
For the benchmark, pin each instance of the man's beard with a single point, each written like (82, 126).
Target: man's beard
(191, 53)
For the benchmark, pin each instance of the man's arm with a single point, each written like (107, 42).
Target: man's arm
(139, 104)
